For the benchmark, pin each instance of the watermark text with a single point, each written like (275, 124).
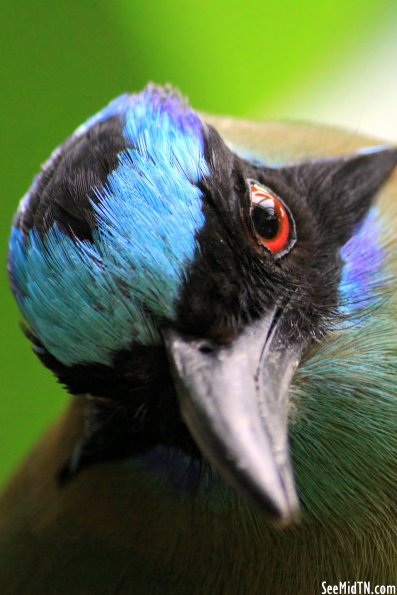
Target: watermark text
(357, 588)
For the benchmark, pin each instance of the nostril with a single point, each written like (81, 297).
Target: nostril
(206, 348)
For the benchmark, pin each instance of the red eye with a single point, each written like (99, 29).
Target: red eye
(273, 224)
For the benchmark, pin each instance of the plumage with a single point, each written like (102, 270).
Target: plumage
(136, 242)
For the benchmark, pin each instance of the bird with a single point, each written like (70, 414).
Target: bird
(218, 298)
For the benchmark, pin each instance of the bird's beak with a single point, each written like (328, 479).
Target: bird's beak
(234, 399)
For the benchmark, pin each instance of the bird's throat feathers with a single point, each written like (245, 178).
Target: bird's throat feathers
(345, 415)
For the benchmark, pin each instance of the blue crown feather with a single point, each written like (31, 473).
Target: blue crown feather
(85, 301)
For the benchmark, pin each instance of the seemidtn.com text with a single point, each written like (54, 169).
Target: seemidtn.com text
(357, 588)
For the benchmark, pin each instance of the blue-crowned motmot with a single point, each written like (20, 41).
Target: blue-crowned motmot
(219, 297)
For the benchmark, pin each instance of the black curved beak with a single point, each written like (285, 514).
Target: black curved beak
(234, 399)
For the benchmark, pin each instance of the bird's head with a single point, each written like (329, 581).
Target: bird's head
(178, 285)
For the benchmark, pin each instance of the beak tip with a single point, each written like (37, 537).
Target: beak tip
(287, 517)
(274, 496)
(286, 521)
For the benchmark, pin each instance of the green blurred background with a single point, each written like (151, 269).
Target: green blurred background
(62, 61)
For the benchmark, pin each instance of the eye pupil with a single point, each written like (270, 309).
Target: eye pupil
(265, 221)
